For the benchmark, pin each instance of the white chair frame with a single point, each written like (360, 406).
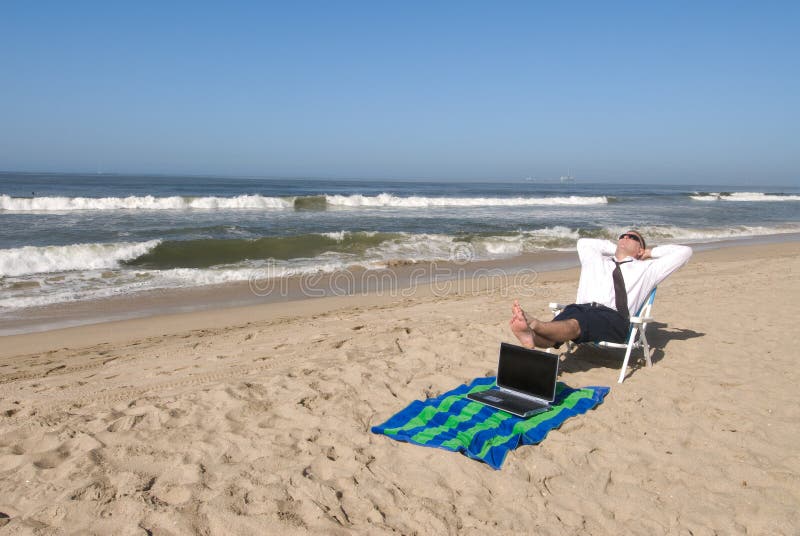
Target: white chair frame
(637, 336)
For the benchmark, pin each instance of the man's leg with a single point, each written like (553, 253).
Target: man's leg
(556, 330)
(526, 333)
(542, 334)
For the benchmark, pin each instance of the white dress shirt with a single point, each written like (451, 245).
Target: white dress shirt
(597, 264)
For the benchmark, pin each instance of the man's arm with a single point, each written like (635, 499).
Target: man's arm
(594, 248)
(665, 259)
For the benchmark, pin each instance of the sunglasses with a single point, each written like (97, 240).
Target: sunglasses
(631, 236)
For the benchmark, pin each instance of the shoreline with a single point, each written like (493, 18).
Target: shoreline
(401, 278)
(164, 316)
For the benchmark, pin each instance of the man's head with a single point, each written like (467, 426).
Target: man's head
(630, 244)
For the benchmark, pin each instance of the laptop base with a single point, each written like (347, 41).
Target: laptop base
(516, 405)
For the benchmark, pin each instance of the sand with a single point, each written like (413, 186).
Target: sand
(256, 420)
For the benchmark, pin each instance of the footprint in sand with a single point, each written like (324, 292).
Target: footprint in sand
(51, 459)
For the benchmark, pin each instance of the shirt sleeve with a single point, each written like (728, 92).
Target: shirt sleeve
(593, 249)
(665, 260)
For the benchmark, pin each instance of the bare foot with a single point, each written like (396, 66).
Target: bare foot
(531, 321)
(519, 326)
(516, 309)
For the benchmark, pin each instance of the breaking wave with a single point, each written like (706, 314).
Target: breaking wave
(388, 200)
(148, 202)
(259, 202)
(31, 276)
(35, 260)
(743, 196)
(342, 248)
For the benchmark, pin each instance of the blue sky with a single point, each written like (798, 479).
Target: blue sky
(669, 92)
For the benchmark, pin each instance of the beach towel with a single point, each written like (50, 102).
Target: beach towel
(453, 422)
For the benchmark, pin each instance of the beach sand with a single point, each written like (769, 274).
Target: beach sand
(256, 420)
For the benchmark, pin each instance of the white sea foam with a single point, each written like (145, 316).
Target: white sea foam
(34, 260)
(501, 248)
(74, 286)
(95, 285)
(662, 234)
(179, 277)
(148, 202)
(337, 235)
(259, 202)
(743, 196)
(388, 200)
(35, 276)
(39, 300)
(341, 235)
(440, 247)
(411, 247)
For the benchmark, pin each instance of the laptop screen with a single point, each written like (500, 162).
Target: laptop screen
(531, 371)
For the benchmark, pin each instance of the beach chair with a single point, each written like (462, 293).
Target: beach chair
(637, 336)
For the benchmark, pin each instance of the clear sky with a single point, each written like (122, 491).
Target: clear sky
(669, 92)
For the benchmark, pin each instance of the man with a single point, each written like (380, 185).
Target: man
(615, 281)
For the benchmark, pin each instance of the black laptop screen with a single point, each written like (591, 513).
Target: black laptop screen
(531, 371)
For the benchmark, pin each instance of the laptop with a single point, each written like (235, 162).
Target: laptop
(526, 381)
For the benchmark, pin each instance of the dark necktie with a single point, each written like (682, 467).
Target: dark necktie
(620, 295)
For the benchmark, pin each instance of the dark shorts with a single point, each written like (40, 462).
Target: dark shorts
(597, 322)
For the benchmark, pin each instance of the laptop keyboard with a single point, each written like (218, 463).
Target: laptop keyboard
(509, 402)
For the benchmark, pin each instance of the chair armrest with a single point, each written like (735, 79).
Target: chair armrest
(640, 319)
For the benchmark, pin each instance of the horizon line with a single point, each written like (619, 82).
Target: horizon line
(526, 179)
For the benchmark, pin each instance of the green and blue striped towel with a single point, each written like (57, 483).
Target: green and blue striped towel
(453, 422)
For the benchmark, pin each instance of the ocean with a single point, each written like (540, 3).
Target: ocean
(72, 238)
